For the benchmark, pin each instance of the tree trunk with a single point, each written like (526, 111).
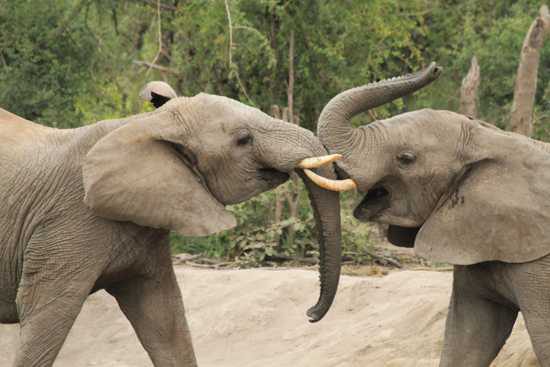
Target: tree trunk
(468, 90)
(521, 120)
(293, 189)
(279, 197)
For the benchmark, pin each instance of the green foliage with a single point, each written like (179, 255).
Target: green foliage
(257, 237)
(45, 67)
(65, 63)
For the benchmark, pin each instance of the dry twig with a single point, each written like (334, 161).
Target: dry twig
(159, 38)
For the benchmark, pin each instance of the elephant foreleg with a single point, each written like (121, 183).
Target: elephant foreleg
(531, 282)
(475, 331)
(47, 310)
(538, 327)
(154, 307)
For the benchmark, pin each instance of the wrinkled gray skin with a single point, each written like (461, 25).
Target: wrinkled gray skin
(460, 191)
(91, 208)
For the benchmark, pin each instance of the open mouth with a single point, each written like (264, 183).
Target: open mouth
(272, 176)
(371, 208)
(373, 204)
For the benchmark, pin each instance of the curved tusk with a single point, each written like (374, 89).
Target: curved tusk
(315, 162)
(332, 185)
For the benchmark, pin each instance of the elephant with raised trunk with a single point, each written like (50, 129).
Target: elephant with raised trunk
(91, 208)
(460, 191)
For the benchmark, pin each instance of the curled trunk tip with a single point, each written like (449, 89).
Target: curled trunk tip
(334, 128)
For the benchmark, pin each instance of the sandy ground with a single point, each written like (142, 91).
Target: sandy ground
(250, 318)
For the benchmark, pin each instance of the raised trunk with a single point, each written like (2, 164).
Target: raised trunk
(326, 209)
(334, 128)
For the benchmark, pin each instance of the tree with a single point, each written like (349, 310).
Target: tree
(468, 90)
(48, 58)
(521, 120)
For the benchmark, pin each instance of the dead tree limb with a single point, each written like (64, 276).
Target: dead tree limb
(468, 90)
(159, 35)
(233, 69)
(160, 68)
(521, 119)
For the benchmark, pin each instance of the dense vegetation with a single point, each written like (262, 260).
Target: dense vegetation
(65, 63)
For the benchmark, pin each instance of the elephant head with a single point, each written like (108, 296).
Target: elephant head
(178, 166)
(457, 189)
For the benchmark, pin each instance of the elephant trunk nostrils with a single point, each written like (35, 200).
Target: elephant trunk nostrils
(326, 209)
(334, 128)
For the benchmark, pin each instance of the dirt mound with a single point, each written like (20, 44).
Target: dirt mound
(251, 318)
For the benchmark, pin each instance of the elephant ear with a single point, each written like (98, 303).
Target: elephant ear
(499, 208)
(134, 174)
(158, 93)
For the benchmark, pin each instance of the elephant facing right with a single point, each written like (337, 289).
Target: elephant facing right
(460, 191)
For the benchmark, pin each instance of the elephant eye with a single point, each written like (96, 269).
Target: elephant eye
(406, 158)
(244, 138)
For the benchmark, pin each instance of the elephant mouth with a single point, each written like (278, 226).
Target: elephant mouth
(376, 200)
(372, 207)
(272, 177)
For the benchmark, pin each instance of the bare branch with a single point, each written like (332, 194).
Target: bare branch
(230, 26)
(468, 90)
(160, 68)
(159, 37)
(290, 88)
(233, 70)
(521, 119)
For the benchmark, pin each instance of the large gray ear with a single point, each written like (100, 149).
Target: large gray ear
(499, 209)
(134, 174)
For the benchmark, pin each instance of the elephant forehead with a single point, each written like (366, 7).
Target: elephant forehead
(214, 104)
(422, 130)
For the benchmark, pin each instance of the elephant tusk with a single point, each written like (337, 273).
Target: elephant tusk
(315, 162)
(332, 185)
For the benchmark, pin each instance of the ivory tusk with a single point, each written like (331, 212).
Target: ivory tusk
(315, 162)
(332, 185)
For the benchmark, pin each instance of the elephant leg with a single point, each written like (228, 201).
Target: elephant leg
(531, 285)
(47, 310)
(154, 307)
(538, 326)
(476, 328)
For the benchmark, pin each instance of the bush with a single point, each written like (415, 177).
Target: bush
(257, 239)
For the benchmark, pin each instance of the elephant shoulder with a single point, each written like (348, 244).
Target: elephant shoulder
(15, 130)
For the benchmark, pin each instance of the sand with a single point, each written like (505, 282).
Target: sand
(250, 318)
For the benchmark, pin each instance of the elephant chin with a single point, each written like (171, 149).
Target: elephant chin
(402, 236)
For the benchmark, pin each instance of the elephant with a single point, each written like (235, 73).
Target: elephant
(91, 208)
(460, 191)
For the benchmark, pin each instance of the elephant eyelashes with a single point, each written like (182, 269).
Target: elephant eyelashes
(406, 158)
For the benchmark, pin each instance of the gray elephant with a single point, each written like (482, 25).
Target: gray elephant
(460, 191)
(91, 208)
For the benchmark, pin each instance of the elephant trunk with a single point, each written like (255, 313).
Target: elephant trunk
(334, 128)
(306, 156)
(326, 210)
